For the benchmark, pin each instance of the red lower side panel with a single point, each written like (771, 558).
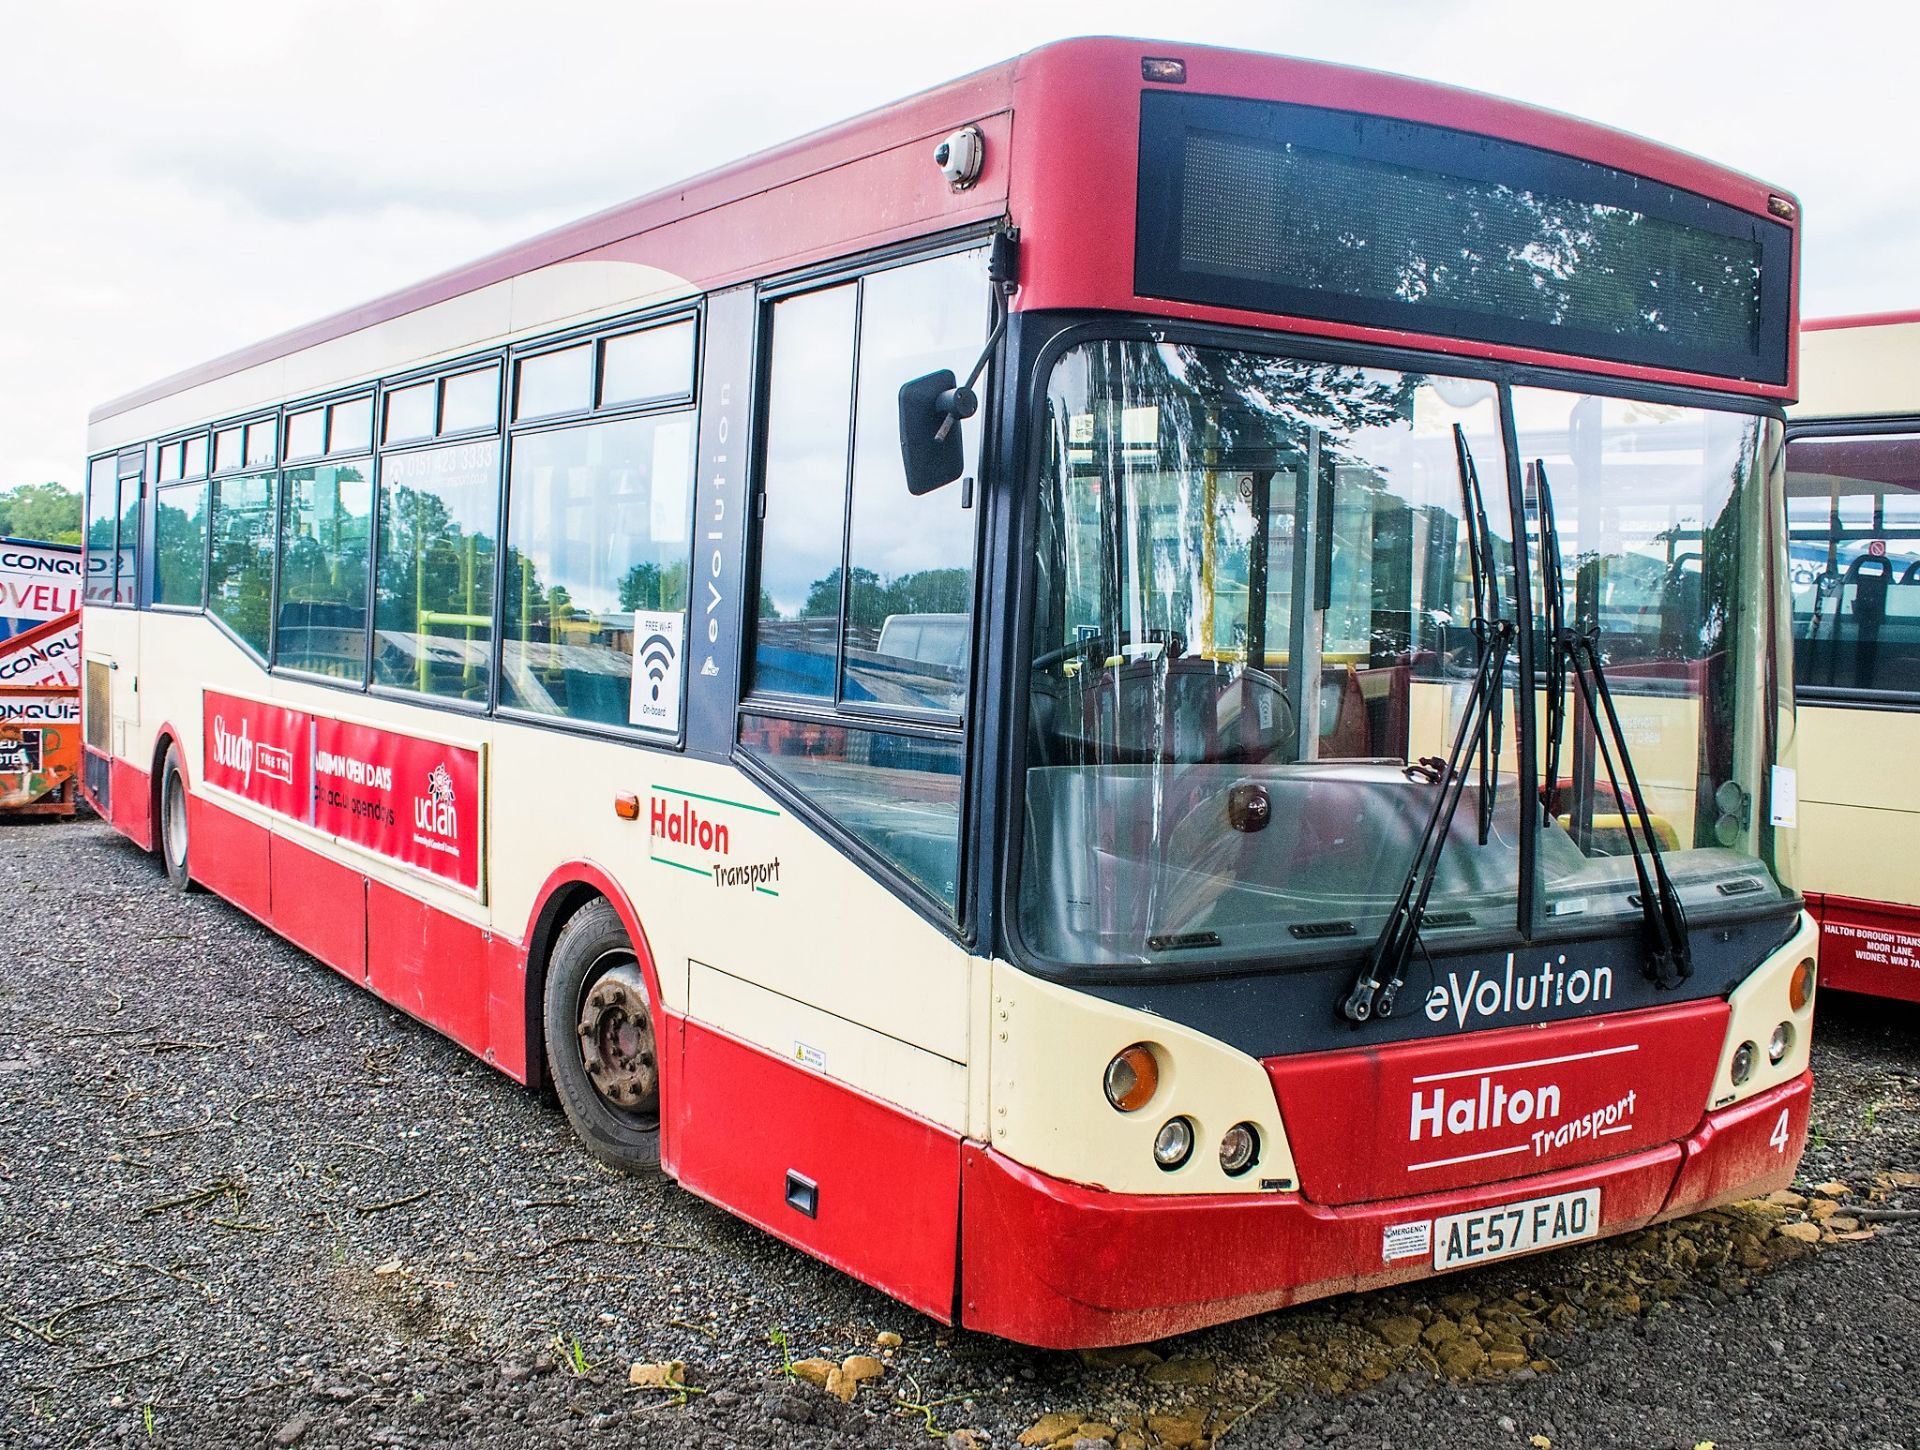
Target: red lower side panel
(888, 1183)
(1062, 1266)
(132, 800)
(1865, 946)
(318, 905)
(229, 856)
(442, 970)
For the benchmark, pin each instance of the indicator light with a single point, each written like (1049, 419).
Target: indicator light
(1800, 989)
(626, 805)
(1743, 1062)
(1782, 208)
(1174, 1143)
(1163, 69)
(1132, 1078)
(1239, 1149)
(1779, 1043)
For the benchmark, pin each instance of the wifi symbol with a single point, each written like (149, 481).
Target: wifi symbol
(656, 657)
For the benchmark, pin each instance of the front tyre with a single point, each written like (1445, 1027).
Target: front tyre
(175, 845)
(601, 1051)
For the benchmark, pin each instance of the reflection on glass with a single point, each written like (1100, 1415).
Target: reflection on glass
(169, 457)
(555, 382)
(1853, 518)
(126, 578)
(196, 457)
(350, 426)
(597, 532)
(900, 794)
(180, 546)
(240, 582)
(1665, 516)
(322, 624)
(805, 493)
(433, 610)
(470, 401)
(260, 441)
(410, 413)
(229, 450)
(910, 575)
(1252, 583)
(306, 434)
(657, 363)
(102, 517)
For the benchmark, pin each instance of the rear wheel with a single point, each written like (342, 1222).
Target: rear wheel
(601, 1052)
(175, 847)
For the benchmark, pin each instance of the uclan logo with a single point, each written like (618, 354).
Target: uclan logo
(434, 812)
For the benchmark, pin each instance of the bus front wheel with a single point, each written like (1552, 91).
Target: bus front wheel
(602, 1055)
(174, 843)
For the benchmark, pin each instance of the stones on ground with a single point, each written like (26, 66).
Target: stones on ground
(887, 1339)
(1540, 1442)
(1178, 1432)
(663, 1375)
(814, 1371)
(859, 1368)
(1049, 1428)
(1842, 1223)
(1786, 1199)
(1805, 1233)
(1402, 1331)
(1182, 1372)
(1124, 1357)
(293, 1432)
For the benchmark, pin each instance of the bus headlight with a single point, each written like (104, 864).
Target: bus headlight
(1132, 1078)
(1239, 1148)
(1174, 1143)
(1743, 1062)
(1779, 1043)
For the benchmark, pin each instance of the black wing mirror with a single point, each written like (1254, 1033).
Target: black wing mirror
(931, 448)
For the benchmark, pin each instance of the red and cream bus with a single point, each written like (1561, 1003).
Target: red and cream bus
(1853, 514)
(1145, 686)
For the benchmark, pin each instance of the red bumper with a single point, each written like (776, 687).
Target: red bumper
(1058, 1265)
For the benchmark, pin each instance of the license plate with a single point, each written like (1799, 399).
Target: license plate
(1515, 1228)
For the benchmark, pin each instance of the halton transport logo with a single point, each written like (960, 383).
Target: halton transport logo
(1463, 1108)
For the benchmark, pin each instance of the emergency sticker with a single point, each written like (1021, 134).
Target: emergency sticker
(811, 1057)
(1406, 1241)
(1785, 796)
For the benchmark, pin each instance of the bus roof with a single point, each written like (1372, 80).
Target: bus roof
(860, 184)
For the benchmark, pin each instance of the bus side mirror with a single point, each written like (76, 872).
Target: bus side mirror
(931, 409)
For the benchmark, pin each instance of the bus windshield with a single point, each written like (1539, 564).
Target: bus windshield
(1255, 634)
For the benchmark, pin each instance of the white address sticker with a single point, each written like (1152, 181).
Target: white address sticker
(1515, 1228)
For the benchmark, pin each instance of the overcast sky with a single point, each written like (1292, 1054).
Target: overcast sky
(183, 178)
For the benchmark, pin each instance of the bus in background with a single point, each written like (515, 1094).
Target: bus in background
(1132, 690)
(1853, 517)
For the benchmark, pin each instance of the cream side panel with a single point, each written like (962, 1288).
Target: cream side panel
(550, 298)
(1853, 371)
(112, 637)
(883, 1067)
(1760, 1004)
(832, 935)
(1049, 1049)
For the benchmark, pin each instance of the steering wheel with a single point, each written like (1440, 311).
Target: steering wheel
(1107, 644)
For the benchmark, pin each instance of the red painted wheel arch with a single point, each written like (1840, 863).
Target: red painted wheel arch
(565, 891)
(164, 739)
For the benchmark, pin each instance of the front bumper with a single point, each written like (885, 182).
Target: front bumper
(1063, 1266)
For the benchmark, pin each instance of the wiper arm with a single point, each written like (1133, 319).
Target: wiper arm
(1669, 954)
(1385, 968)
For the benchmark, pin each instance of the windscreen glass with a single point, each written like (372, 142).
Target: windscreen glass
(1254, 613)
(1666, 518)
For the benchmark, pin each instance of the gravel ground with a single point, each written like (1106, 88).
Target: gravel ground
(242, 1202)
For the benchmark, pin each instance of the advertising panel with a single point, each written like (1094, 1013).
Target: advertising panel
(39, 750)
(410, 800)
(44, 655)
(38, 582)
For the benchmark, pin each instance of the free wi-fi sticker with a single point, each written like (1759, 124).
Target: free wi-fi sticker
(654, 701)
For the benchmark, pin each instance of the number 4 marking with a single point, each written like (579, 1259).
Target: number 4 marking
(1779, 1139)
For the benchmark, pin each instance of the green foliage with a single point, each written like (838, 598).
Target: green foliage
(43, 511)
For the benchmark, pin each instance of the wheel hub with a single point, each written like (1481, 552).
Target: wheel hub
(616, 1039)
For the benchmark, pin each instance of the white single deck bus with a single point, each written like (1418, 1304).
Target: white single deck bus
(1135, 689)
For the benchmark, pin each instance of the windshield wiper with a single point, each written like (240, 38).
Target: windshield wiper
(1669, 955)
(1385, 968)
